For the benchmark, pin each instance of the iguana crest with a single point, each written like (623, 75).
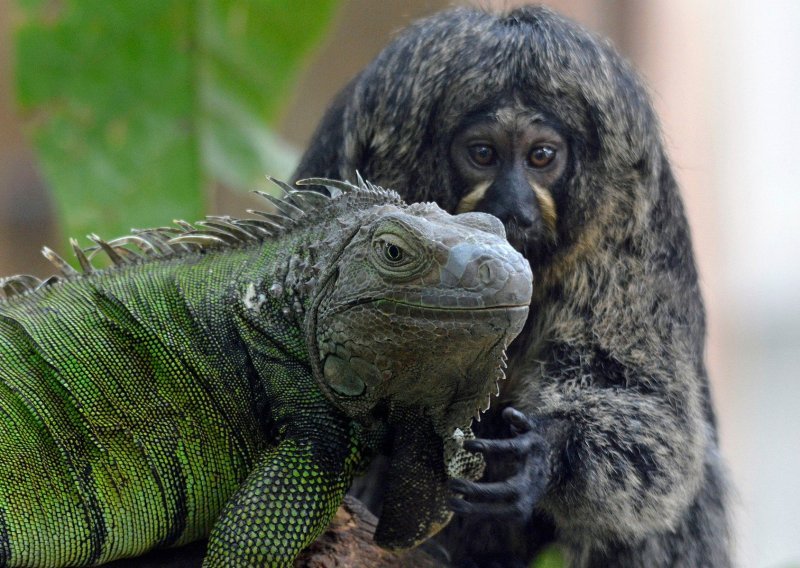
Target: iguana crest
(294, 210)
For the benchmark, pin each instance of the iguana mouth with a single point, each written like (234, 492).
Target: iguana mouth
(502, 318)
(400, 308)
(413, 309)
(501, 307)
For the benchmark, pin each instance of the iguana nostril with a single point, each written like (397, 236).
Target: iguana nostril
(501, 277)
(485, 273)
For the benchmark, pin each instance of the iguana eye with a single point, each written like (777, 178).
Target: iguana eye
(392, 253)
(398, 250)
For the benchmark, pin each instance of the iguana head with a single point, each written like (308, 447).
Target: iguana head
(418, 314)
(408, 326)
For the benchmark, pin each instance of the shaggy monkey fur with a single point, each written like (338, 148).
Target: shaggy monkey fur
(604, 438)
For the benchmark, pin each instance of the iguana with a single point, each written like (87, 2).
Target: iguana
(230, 377)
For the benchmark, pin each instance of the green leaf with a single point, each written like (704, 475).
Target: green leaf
(550, 557)
(139, 107)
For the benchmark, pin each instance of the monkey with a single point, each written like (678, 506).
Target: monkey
(603, 440)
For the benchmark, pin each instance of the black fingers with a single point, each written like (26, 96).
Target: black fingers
(490, 491)
(510, 511)
(527, 452)
(518, 447)
(519, 422)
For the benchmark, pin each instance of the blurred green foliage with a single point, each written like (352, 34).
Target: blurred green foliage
(138, 108)
(549, 558)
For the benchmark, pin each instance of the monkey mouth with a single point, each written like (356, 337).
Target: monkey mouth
(533, 243)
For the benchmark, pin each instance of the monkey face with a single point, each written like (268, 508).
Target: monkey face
(508, 162)
(521, 115)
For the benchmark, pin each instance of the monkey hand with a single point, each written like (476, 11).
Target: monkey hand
(515, 497)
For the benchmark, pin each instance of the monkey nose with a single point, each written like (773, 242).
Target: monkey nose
(523, 218)
(521, 214)
(498, 274)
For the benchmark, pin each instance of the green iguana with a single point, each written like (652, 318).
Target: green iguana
(230, 377)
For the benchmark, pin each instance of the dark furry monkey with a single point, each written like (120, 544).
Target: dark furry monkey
(604, 438)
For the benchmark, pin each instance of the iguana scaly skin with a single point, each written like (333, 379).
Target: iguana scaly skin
(229, 378)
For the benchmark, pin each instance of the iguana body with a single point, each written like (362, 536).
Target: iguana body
(232, 382)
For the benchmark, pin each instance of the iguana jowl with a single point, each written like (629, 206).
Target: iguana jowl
(230, 377)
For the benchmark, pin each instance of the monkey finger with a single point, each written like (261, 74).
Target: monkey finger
(519, 421)
(517, 447)
(516, 511)
(490, 491)
(514, 447)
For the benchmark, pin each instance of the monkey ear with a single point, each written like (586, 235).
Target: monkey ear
(483, 222)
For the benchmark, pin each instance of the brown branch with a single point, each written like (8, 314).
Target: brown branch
(348, 543)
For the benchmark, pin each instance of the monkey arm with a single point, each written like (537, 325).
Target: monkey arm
(629, 464)
(617, 462)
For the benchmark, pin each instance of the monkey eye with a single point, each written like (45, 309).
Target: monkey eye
(482, 155)
(541, 156)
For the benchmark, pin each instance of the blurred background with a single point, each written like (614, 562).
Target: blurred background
(725, 79)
